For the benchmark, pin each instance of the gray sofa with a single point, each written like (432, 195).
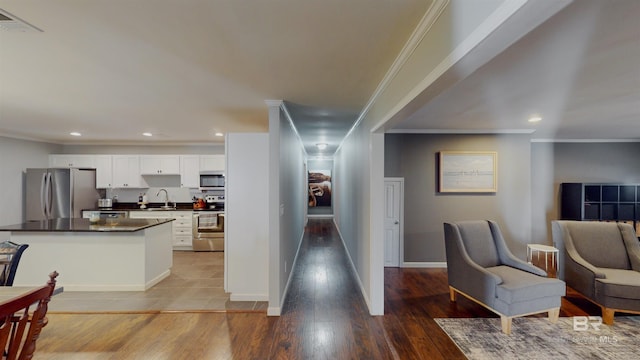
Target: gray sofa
(600, 260)
(481, 267)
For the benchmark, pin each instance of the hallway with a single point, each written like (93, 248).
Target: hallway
(324, 312)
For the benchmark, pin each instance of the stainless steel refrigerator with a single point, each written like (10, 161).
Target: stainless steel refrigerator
(59, 193)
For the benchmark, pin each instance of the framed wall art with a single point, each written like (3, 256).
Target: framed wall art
(468, 172)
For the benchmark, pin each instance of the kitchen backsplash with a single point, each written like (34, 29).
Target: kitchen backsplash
(176, 194)
(171, 183)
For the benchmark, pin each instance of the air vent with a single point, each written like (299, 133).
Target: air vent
(12, 23)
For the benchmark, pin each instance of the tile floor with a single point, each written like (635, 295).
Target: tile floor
(195, 284)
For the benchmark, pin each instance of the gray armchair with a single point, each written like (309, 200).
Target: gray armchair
(601, 261)
(481, 267)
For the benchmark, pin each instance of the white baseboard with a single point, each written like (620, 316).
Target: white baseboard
(157, 279)
(408, 264)
(249, 297)
(273, 311)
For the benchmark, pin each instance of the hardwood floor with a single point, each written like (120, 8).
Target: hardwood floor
(324, 317)
(196, 284)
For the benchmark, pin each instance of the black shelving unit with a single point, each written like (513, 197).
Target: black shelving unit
(601, 202)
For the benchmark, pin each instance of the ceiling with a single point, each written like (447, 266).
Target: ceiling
(183, 70)
(579, 71)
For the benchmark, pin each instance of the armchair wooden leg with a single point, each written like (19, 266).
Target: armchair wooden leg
(554, 314)
(607, 315)
(506, 324)
(452, 294)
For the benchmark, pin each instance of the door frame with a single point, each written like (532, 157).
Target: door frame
(400, 180)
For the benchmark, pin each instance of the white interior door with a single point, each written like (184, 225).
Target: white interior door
(393, 204)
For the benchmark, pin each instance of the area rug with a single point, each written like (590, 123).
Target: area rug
(537, 338)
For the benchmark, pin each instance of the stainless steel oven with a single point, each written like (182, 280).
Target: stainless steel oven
(208, 231)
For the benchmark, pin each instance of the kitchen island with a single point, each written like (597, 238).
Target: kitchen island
(110, 255)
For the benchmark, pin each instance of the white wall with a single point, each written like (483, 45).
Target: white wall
(143, 149)
(16, 156)
(247, 220)
(320, 164)
(287, 202)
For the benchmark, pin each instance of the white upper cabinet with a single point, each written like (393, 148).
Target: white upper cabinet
(159, 165)
(122, 171)
(71, 160)
(190, 171)
(104, 171)
(126, 171)
(212, 162)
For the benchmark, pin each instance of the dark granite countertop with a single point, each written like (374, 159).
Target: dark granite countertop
(150, 207)
(84, 225)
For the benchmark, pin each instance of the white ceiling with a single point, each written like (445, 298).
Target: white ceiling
(112, 69)
(579, 71)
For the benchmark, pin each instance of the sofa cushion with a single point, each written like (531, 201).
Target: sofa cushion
(619, 283)
(593, 239)
(518, 285)
(478, 240)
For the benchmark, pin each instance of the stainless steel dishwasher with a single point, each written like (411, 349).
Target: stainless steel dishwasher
(208, 231)
(106, 214)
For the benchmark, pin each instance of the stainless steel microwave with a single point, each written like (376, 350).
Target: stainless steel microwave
(212, 180)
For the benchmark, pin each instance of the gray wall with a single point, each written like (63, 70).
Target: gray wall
(287, 202)
(293, 197)
(352, 210)
(555, 163)
(414, 157)
(15, 156)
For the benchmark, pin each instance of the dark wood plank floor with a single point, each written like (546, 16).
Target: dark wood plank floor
(324, 317)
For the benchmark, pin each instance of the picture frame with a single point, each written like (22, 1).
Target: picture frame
(468, 172)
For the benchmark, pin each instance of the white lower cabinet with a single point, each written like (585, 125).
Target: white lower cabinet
(181, 226)
(182, 230)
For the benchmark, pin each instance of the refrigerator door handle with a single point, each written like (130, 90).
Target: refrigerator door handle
(48, 194)
(43, 202)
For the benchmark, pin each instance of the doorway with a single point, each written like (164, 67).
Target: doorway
(393, 222)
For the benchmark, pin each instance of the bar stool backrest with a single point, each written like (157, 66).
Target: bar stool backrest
(11, 254)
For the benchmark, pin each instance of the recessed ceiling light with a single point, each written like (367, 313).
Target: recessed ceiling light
(219, 134)
(147, 134)
(75, 133)
(321, 146)
(535, 118)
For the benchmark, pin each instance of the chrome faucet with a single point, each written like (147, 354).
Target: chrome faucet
(166, 197)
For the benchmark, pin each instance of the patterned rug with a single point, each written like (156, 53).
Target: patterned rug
(537, 338)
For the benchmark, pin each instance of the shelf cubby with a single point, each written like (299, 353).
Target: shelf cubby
(601, 202)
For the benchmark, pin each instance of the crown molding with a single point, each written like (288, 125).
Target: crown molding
(585, 140)
(284, 109)
(274, 103)
(460, 131)
(431, 15)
